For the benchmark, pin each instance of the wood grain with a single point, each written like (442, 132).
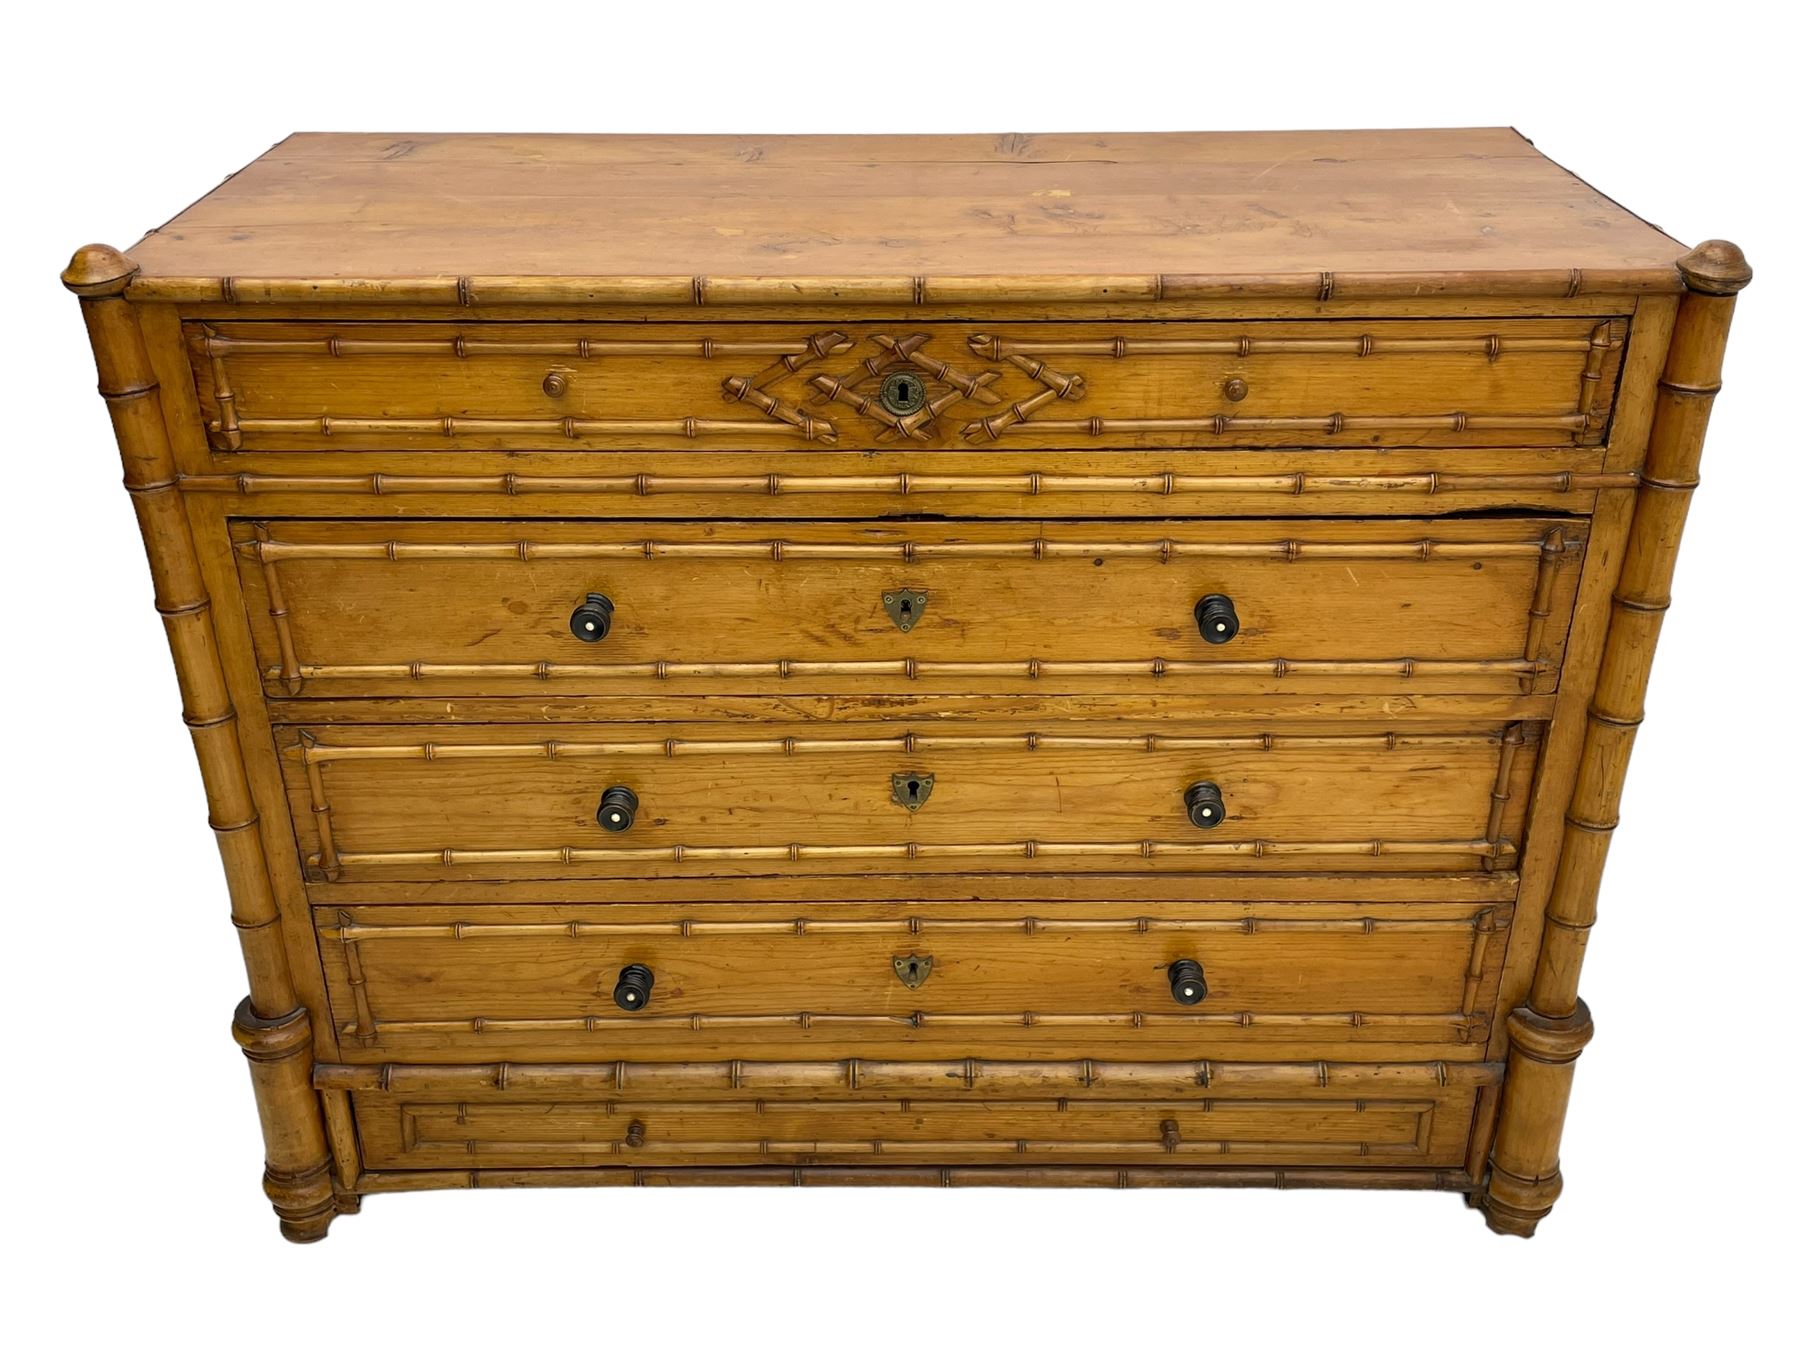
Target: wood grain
(431, 983)
(836, 218)
(394, 607)
(502, 802)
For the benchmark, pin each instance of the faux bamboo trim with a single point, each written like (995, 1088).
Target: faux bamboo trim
(1030, 484)
(312, 752)
(349, 929)
(912, 851)
(1121, 1079)
(569, 428)
(901, 1148)
(1034, 546)
(1320, 286)
(987, 428)
(321, 807)
(1245, 346)
(785, 357)
(1460, 1027)
(1510, 741)
(912, 668)
(1555, 550)
(794, 355)
(1108, 1178)
(1220, 424)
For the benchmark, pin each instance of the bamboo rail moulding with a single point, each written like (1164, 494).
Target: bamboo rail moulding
(907, 667)
(568, 856)
(819, 429)
(1461, 1027)
(311, 750)
(1109, 1178)
(351, 930)
(472, 291)
(926, 1077)
(272, 550)
(793, 356)
(1490, 345)
(1031, 484)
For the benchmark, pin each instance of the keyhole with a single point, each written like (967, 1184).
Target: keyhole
(912, 788)
(903, 391)
(905, 608)
(912, 970)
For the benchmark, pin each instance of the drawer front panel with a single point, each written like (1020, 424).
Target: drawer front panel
(471, 608)
(950, 1112)
(1352, 383)
(494, 802)
(429, 982)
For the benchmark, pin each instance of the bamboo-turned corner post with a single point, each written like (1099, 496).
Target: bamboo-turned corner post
(1548, 1033)
(270, 1024)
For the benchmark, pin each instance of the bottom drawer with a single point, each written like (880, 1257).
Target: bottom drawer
(943, 1113)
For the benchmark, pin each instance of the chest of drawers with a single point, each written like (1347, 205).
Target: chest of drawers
(1063, 660)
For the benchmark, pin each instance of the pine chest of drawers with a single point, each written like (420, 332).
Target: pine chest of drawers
(1085, 660)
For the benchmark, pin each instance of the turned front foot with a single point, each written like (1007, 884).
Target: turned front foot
(1524, 1177)
(1514, 1205)
(297, 1179)
(304, 1204)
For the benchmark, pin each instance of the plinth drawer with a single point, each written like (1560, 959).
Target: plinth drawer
(661, 982)
(470, 608)
(931, 385)
(958, 1112)
(565, 801)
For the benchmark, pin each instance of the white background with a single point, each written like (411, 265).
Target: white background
(132, 1155)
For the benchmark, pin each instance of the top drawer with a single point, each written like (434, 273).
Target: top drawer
(906, 384)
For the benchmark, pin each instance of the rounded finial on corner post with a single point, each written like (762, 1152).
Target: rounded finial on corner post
(97, 270)
(1716, 267)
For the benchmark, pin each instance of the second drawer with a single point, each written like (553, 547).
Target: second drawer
(559, 609)
(494, 802)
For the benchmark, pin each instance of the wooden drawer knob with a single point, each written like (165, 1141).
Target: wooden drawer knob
(632, 992)
(1236, 388)
(1205, 805)
(1187, 981)
(556, 384)
(618, 809)
(592, 619)
(1217, 618)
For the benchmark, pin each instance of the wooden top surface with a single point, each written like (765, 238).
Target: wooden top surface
(1217, 205)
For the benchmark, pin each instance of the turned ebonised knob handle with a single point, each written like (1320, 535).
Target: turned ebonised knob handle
(1217, 618)
(1187, 981)
(632, 992)
(1205, 805)
(618, 809)
(592, 619)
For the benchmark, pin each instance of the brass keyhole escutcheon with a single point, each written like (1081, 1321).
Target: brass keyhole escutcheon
(912, 969)
(904, 607)
(903, 393)
(912, 790)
